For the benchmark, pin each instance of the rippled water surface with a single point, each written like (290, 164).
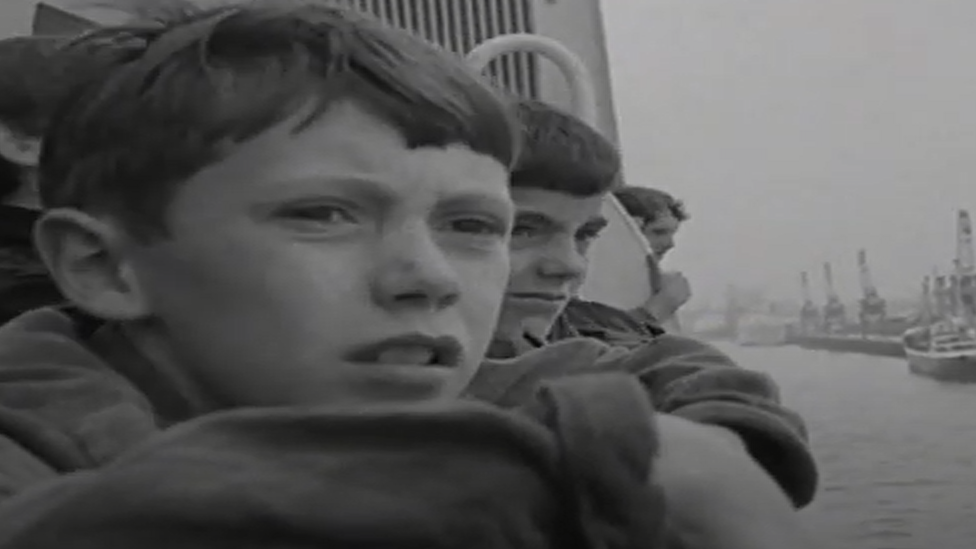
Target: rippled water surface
(897, 452)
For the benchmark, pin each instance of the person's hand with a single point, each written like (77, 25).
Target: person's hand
(673, 291)
(717, 496)
(675, 288)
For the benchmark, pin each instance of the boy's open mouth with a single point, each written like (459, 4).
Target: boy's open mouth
(410, 349)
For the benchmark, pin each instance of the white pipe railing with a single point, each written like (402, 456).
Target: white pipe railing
(584, 98)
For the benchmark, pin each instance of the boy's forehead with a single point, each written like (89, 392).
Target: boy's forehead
(350, 150)
(558, 207)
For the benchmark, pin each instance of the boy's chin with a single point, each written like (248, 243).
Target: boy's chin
(519, 323)
(538, 326)
(383, 384)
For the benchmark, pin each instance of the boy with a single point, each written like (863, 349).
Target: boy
(291, 226)
(659, 215)
(564, 172)
(32, 80)
(563, 175)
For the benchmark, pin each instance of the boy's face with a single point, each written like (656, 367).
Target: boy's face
(550, 240)
(332, 266)
(660, 232)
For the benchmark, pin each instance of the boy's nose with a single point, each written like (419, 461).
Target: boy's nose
(564, 261)
(413, 271)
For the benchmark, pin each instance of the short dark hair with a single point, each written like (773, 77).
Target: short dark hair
(178, 91)
(35, 77)
(647, 204)
(562, 153)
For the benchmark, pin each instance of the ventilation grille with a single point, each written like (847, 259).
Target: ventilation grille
(460, 25)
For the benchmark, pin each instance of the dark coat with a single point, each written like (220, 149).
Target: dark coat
(24, 281)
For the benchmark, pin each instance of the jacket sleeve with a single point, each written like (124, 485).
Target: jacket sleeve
(60, 409)
(25, 283)
(694, 380)
(20, 468)
(608, 324)
(437, 476)
(684, 377)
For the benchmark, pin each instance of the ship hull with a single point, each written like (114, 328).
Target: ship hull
(762, 335)
(760, 341)
(952, 367)
(866, 345)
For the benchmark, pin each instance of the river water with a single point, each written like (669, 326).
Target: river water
(897, 452)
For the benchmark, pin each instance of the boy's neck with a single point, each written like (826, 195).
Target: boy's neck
(139, 355)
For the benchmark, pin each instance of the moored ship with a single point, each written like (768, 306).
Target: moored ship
(944, 347)
(945, 351)
(875, 332)
(762, 331)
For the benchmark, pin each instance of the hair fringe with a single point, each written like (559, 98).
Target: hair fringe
(225, 74)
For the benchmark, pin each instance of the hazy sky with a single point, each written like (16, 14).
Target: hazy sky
(800, 130)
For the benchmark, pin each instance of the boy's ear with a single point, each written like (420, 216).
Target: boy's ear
(19, 148)
(90, 262)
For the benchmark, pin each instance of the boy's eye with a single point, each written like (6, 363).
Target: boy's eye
(524, 230)
(587, 236)
(310, 215)
(478, 226)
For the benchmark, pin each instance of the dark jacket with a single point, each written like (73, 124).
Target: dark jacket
(24, 281)
(678, 371)
(98, 448)
(583, 318)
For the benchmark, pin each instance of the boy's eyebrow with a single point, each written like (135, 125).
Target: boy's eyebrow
(594, 224)
(471, 199)
(598, 223)
(537, 218)
(300, 186)
(375, 190)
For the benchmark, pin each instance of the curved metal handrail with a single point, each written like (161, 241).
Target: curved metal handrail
(581, 84)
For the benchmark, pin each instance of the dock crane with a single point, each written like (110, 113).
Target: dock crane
(873, 307)
(809, 314)
(834, 312)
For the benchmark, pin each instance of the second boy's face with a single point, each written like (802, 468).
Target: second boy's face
(333, 265)
(550, 240)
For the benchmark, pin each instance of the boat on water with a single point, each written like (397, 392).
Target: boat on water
(945, 351)
(944, 347)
